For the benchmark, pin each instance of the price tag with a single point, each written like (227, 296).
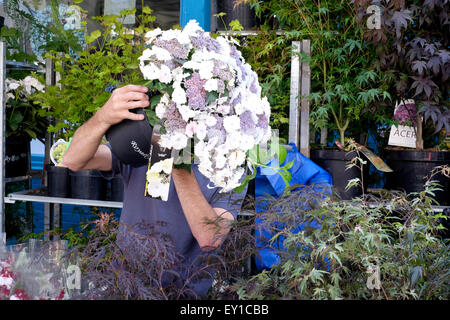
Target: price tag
(159, 168)
(401, 135)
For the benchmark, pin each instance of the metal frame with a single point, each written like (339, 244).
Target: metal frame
(52, 205)
(32, 195)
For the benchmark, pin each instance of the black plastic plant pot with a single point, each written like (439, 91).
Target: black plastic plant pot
(16, 156)
(335, 163)
(130, 140)
(117, 189)
(58, 181)
(411, 169)
(87, 184)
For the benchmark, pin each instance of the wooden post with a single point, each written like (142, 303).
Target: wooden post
(299, 93)
(304, 103)
(294, 123)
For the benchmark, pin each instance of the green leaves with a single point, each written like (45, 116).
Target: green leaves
(245, 181)
(211, 96)
(93, 36)
(84, 77)
(236, 25)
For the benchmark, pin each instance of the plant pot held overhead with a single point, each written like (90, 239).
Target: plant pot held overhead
(130, 140)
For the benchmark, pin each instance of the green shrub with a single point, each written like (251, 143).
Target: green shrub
(396, 237)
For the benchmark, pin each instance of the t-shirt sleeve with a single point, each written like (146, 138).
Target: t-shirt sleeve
(116, 168)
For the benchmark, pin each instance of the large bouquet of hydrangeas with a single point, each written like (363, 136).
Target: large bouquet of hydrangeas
(209, 93)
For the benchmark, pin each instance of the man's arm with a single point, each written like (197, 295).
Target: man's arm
(208, 225)
(85, 151)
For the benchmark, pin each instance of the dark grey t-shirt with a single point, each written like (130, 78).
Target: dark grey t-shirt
(138, 208)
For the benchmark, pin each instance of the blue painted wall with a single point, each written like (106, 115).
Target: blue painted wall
(199, 10)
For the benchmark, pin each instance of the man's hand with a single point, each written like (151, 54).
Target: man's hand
(208, 225)
(117, 108)
(85, 151)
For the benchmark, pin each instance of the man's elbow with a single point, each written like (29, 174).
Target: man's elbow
(72, 165)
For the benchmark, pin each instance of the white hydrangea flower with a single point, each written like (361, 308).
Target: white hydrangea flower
(13, 86)
(190, 129)
(231, 123)
(170, 34)
(211, 85)
(210, 121)
(165, 75)
(221, 161)
(186, 112)
(160, 110)
(179, 95)
(206, 70)
(152, 34)
(160, 53)
(201, 131)
(150, 71)
(176, 140)
(192, 27)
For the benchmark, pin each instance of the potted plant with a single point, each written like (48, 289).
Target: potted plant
(23, 123)
(412, 42)
(346, 86)
(58, 179)
(345, 83)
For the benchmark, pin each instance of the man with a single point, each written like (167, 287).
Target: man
(191, 204)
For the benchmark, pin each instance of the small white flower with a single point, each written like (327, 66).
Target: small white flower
(186, 112)
(239, 109)
(150, 71)
(7, 282)
(220, 161)
(224, 109)
(175, 141)
(191, 28)
(247, 142)
(201, 131)
(167, 165)
(165, 76)
(179, 95)
(206, 70)
(170, 34)
(211, 85)
(190, 129)
(231, 123)
(210, 121)
(146, 55)
(160, 110)
(165, 99)
(151, 35)
(14, 86)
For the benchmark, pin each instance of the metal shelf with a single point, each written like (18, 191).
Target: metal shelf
(16, 65)
(40, 195)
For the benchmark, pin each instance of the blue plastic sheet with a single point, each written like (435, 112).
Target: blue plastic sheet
(269, 183)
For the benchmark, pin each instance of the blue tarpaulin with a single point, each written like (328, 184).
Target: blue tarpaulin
(269, 183)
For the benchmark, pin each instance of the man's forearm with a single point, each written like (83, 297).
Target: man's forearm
(205, 223)
(85, 143)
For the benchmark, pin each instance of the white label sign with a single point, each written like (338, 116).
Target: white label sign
(403, 136)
